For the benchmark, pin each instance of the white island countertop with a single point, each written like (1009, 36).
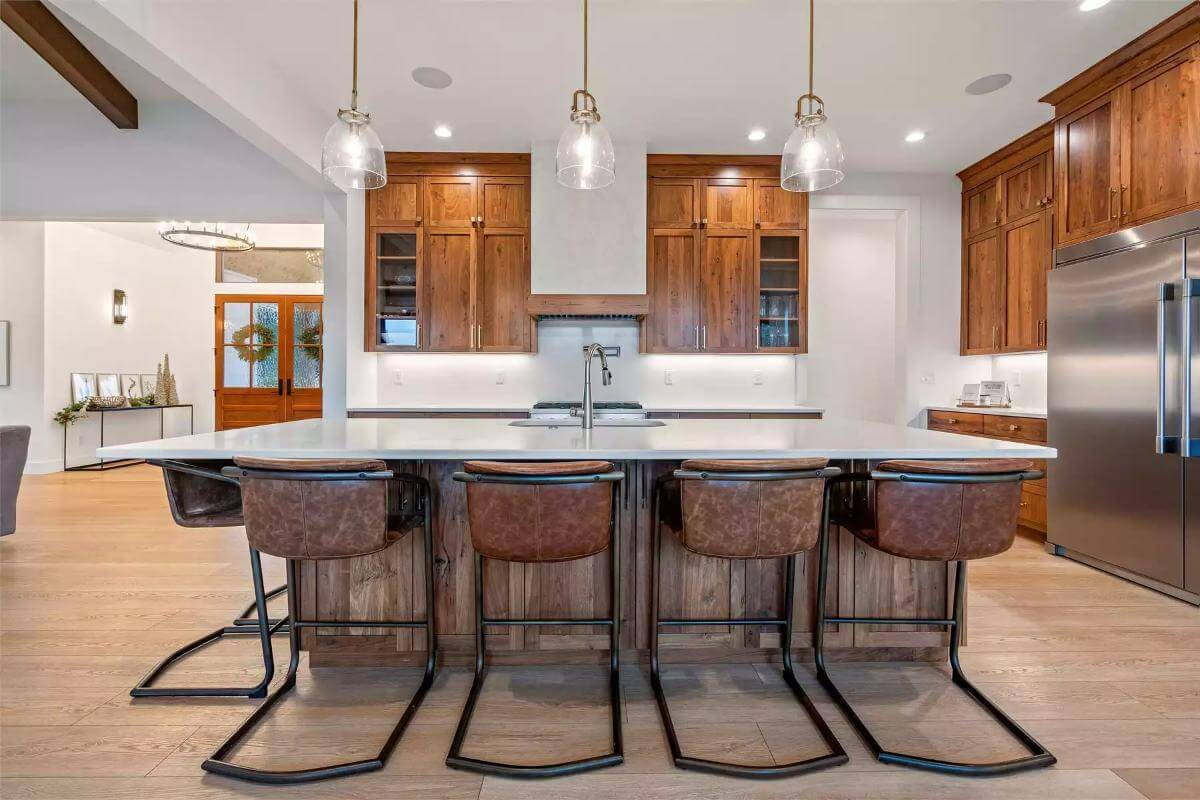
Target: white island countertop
(997, 411)
(457, 439)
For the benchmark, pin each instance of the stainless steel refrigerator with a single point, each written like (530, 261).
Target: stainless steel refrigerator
(1124, 404)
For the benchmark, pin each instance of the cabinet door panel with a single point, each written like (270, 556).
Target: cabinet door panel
(982, 296)
(672, 324)
(398, 202)
(727, 292)
(450, 202)
(501, 286)
(504, 202)
(1026, 189)
(777, 208)
(981, 209)
(1160, 151)
(1087, 163)
(728, 203)
(1026, 256)
(448, 259)
(673, 203)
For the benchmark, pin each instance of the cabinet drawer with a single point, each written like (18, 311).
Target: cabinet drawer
(1026, 429)
(1033, 510)
(955, 422)
(1038, 486)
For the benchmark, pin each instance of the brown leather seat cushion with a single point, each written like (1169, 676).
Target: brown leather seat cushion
(755, 465)
(974, 466)
(200, 502)
(537, 468)
(311, 464)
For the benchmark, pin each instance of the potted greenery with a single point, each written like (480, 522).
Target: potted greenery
(69, 415)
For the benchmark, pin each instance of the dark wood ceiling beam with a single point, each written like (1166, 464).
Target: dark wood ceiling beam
(50, 39)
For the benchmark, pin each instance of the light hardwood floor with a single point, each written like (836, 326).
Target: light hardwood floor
(98, 584)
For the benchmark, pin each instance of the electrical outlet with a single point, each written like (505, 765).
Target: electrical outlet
(669, 377)
(928, 378)
(756, 377)
(500, 377)
(397, 378)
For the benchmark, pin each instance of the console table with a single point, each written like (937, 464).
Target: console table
(124, 462)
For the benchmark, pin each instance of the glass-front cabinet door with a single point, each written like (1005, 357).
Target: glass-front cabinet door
(782, 313)
(394, 286)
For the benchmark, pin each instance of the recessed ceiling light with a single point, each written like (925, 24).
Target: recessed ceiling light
(443, 132)
(1092, 5)
(989, 83)
(914, 136)
(432, 77)
(756, 134)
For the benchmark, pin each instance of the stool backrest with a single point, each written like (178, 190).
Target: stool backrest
(752, 509)
(948, 511)
(314, 508)
(540, 511)
(201, 497)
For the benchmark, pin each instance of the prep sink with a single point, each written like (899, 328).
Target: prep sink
(575, 422)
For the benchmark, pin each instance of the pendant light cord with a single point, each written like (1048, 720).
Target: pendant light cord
(354, 84)
(585, 45)
(811, 11)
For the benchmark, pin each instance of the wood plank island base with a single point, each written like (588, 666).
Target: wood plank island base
(389, 584)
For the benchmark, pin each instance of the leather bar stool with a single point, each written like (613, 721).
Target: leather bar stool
(201, 497)
(935, 511)
(322, 509)
(535, 512)
(743, 510)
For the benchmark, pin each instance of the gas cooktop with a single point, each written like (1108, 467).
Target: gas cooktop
(607, 405)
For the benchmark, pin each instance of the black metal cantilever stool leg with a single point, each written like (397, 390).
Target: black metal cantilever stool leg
(242, 625)
(218, 763)
(1038, 756)
(836, 755)
(615, 756)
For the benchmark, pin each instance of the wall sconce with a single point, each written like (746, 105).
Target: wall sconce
(120, 307)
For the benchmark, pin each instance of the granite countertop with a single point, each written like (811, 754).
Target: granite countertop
(1014, 411)
(457, 439)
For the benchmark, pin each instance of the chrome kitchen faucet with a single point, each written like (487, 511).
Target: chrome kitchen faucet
(591, 351)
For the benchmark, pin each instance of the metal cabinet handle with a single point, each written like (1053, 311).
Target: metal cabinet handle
(1114, 195)
(704, 222)
(1014, 427)
(696, 330)
(418, 220)
(417, 343)
(994, 332)
(758, 223)
(951, 421)
(1124, 194)
(703, 337)
(757, 338)
(479, 336)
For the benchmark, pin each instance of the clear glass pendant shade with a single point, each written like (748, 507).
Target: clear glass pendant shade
(585, 159)
(352, 155)
(812, 157)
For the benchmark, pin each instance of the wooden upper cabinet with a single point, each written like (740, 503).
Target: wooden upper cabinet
(727, 292)
(451, 202)
(775, 208)
(504, 202)
(1026, 252)
(1027, 189)
(673, 203)
(397, 203)
(981, 208)
(501, 286)
(449, 256)
(1161, 147)
(1087, 163)
(673, 284)
(728, 204)
(982, 298)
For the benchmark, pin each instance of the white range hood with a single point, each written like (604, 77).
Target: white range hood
(588, 254)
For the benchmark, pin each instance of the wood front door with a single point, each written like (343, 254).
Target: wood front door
(268, 359)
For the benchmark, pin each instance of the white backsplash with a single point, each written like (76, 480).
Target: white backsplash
(555, 372)
(1027, 369)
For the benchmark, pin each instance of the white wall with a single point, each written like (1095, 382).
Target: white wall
(22, 284)
(1026, 376)
(851, 366)
(69, 282)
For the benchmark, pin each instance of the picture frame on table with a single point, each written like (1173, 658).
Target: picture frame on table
(83, 386)
(108, 384)
(148, 382)
(131, 386)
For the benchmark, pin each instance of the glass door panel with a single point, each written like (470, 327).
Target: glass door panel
(781, 301)
(396, 290)
(305, 349)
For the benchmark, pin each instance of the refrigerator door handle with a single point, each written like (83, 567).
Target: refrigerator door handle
(1163, 444)
(1191, 302)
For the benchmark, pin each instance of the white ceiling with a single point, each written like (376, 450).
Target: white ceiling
(683, 75)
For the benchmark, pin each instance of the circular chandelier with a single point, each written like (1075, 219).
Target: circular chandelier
(207, 235)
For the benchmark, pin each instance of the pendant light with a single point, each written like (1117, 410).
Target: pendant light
(352, 155)
(216, 236)
(585, 158)
(812, 157)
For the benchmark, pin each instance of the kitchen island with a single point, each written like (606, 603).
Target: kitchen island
(390, 584)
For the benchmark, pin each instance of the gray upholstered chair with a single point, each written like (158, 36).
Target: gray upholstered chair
(14, 448)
